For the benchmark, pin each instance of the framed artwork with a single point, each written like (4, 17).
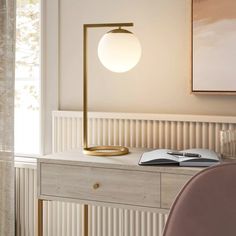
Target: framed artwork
(214, 46)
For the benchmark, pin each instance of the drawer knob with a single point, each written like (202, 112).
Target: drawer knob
(96, 186)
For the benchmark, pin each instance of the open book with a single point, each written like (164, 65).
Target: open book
(188, 157)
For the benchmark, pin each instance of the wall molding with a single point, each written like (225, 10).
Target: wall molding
(149, 116)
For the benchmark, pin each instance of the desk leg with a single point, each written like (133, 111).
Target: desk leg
(86, 220)
(40, 217)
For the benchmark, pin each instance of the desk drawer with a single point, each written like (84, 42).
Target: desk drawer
(171, 184)
(101, 184)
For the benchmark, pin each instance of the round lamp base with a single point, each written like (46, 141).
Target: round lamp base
(106, 151)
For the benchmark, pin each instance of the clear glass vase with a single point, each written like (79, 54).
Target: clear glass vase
(228, 143)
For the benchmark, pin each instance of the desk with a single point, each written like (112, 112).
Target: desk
(108, 181)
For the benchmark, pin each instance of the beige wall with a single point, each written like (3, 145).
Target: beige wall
(160, 83)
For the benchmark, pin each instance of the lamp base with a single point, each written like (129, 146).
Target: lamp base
(106, 151)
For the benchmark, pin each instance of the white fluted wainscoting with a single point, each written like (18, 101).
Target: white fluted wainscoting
(134, 130)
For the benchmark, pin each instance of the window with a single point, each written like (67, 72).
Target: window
(27, 78)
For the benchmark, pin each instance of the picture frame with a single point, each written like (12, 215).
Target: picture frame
(213, 47)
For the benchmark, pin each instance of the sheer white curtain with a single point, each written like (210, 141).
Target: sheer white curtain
(7, 68)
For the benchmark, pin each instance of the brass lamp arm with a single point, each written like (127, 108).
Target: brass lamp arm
(101, 150)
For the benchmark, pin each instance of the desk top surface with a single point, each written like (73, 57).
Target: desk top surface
(128, 162)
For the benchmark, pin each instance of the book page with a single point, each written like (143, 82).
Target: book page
(205, 155)
(158, 156)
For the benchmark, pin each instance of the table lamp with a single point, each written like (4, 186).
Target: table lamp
(119, 51)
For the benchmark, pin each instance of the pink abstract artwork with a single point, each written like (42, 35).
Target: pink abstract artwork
(214, 46)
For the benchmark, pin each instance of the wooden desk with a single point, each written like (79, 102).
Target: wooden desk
(108, 181)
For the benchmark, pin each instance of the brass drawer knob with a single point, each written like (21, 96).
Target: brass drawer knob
(96, 186)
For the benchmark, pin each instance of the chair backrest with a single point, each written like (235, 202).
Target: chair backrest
(206, 206)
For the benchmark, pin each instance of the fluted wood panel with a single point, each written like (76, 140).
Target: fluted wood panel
(173, 133)
(26, 202)
(62, 219)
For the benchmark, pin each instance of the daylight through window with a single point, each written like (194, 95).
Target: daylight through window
(27, 83)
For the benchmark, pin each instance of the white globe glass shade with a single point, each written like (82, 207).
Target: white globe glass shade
(119, 50)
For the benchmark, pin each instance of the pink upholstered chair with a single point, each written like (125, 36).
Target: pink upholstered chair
(206, 206)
